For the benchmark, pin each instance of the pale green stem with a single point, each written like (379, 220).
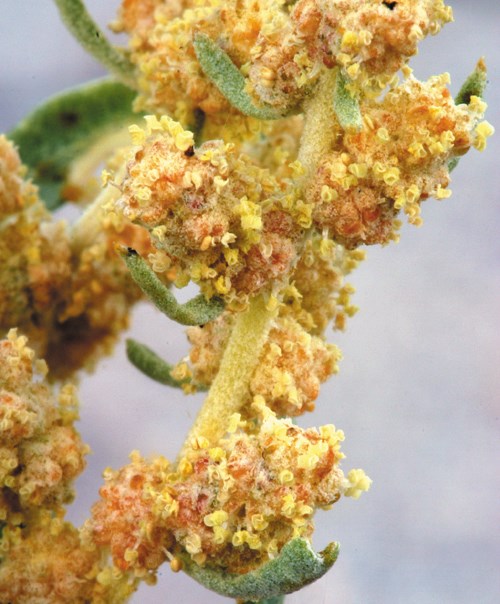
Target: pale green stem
(320, 125)
(230, 387)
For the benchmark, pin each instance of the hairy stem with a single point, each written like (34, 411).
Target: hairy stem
(319, 125)
(229, 390)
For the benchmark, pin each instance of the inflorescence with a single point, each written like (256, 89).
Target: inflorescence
(279, 139)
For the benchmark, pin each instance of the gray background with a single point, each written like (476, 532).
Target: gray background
(417, 394)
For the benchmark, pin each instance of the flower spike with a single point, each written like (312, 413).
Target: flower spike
(266, 217)
(196, 311)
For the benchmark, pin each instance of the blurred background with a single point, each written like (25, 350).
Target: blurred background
(418, 390)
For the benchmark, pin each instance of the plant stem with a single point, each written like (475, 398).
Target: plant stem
(319, 124)
(229, 390)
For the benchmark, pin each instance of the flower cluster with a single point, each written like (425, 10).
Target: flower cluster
(295, 359)
(41, 452)
(50, 565)
(291, 367)
(219, 218)
(67, 291)
(282, 46)
(41, 556)
(280, 142)
(400, 158)
(34, 252)
(233, 505)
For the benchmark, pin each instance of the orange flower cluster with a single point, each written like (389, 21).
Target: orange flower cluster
(233, 506)
(42, 558)
(71, 298)
(281, 46)
(216, 215)
(399, 159)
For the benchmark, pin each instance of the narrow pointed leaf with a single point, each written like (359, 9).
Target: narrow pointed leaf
(149, 363)
(453, 163)
(346, 106)
(68, 126)
(474, 85)
(296, 566)
(197, 311)
(87, 32)
(228, 78)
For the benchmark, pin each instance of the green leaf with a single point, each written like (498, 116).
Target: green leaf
(297, 565)
(228, 78)
(68, 126)
(147, 361)
(346, 105)
(87, 32)
(197, 311)
(453, 163)
(474, 85)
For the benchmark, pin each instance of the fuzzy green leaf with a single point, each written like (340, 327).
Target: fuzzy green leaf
(453, 163)
(345, 105)
(197, 311)
(296, 566)
(87, 32)
(228, 78)
(474, 85)
(67, 126)
(149, 363)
